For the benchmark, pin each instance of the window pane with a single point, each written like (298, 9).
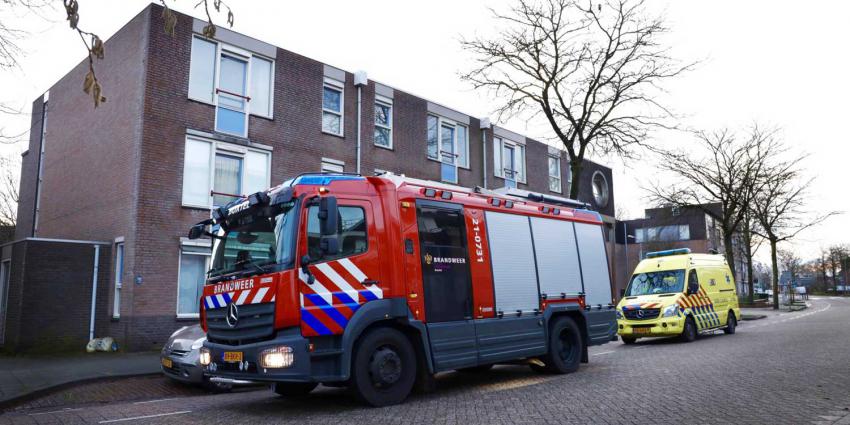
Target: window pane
(498, 165)
(229, 121)
(196, 173)
(331, 123)
(202, 70)
(382, 114)
(448, 173)
(232, 74)
(256, 172)
(554, 167)
(261, 77)
(447, 144)
(554, 184)
(382, 137)
(228, 171)
(508, 153)
(332, 99)
(684, 232)
(462, 149)
(519, 163)
(432, 137)
(352, 233)
(192, 273)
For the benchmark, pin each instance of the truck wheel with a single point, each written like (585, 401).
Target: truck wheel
(293, 389)
(384, 367)
(565, 346)
(628, 340)
(689, 334)
(731, 324)
(476, 369)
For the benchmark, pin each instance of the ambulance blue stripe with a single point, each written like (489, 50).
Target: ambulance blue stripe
(368, 295)
(314, 323)
(328, 309)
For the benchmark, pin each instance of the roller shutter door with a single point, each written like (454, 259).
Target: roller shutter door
(594, 264)
(557, 257)
(512, 256)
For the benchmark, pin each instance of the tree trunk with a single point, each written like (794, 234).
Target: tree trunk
(748, 253)
(575, 173)
(730, 253)
(775, 270)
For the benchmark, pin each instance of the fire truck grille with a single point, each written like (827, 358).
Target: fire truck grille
(642, 314)
(255, 323)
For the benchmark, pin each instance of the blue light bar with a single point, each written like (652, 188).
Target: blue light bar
(323, 180)
(679, 251)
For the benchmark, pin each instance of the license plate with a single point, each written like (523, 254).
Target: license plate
(641, 330)
(167, 362)
(232, 356)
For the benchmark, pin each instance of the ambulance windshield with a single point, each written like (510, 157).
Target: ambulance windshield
(660, 282)
(254, 244)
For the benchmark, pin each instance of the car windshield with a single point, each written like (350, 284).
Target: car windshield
(660, 282)
(254, 243)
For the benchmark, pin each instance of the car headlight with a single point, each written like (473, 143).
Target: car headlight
(619, 314)
(670, 310)
(198, 343)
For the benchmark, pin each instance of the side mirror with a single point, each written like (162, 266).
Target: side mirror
(329, 225)
(196, 231)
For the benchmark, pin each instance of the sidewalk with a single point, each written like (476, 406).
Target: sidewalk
(21, 377)
(761, 313)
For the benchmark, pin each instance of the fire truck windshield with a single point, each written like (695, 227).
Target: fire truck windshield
(255, 244)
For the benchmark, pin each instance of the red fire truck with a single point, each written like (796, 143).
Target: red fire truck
(378, 283)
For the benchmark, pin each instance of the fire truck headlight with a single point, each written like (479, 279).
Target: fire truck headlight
(671, 310)
(204, 356)
(277, 357)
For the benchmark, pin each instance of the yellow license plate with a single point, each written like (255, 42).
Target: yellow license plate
(641, 330)
(232, 356)
(167, 362)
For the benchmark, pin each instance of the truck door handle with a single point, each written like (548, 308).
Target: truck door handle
(369, 282)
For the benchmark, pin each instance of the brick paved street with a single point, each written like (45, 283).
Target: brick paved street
(789, 368)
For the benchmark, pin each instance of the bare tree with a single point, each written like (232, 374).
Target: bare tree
(593, 71)
(780, 208)
(719, 169)
(10, 36)
(751, 242)
(793, 265)
(835, 257)
(9, 190)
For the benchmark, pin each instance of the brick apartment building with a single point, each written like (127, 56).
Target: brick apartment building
(669, 228)
(115, 189)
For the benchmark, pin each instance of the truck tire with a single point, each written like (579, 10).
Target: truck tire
(731, 324)
(293, 389)
(628, 340)
(689, 333)
(383, 368)
(565, 346)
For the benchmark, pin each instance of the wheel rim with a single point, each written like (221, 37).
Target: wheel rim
(384, 367)
(567, 347)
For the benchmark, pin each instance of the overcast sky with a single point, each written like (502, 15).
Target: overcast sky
(777, 63)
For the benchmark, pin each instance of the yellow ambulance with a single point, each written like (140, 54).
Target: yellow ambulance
(677, 293)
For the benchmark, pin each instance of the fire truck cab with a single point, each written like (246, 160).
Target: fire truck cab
(378, 283)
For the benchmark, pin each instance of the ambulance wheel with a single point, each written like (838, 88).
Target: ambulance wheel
(476, 369)
(689, 334)
(731, 324)
(384, 367)
(293, 389)
(565, 346)
(628, 340)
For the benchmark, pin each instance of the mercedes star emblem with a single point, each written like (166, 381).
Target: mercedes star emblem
(232, 315)
(639, 314)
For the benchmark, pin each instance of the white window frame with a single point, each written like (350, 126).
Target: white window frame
(383, 101)
(119, 276)
(329, 165)
(458, 127)
(340, 87)
(500, 142)
(557, 159)
(232, 150)
(202, 243)
(248, 56)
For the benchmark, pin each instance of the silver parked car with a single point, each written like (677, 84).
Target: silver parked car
(179, 360)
